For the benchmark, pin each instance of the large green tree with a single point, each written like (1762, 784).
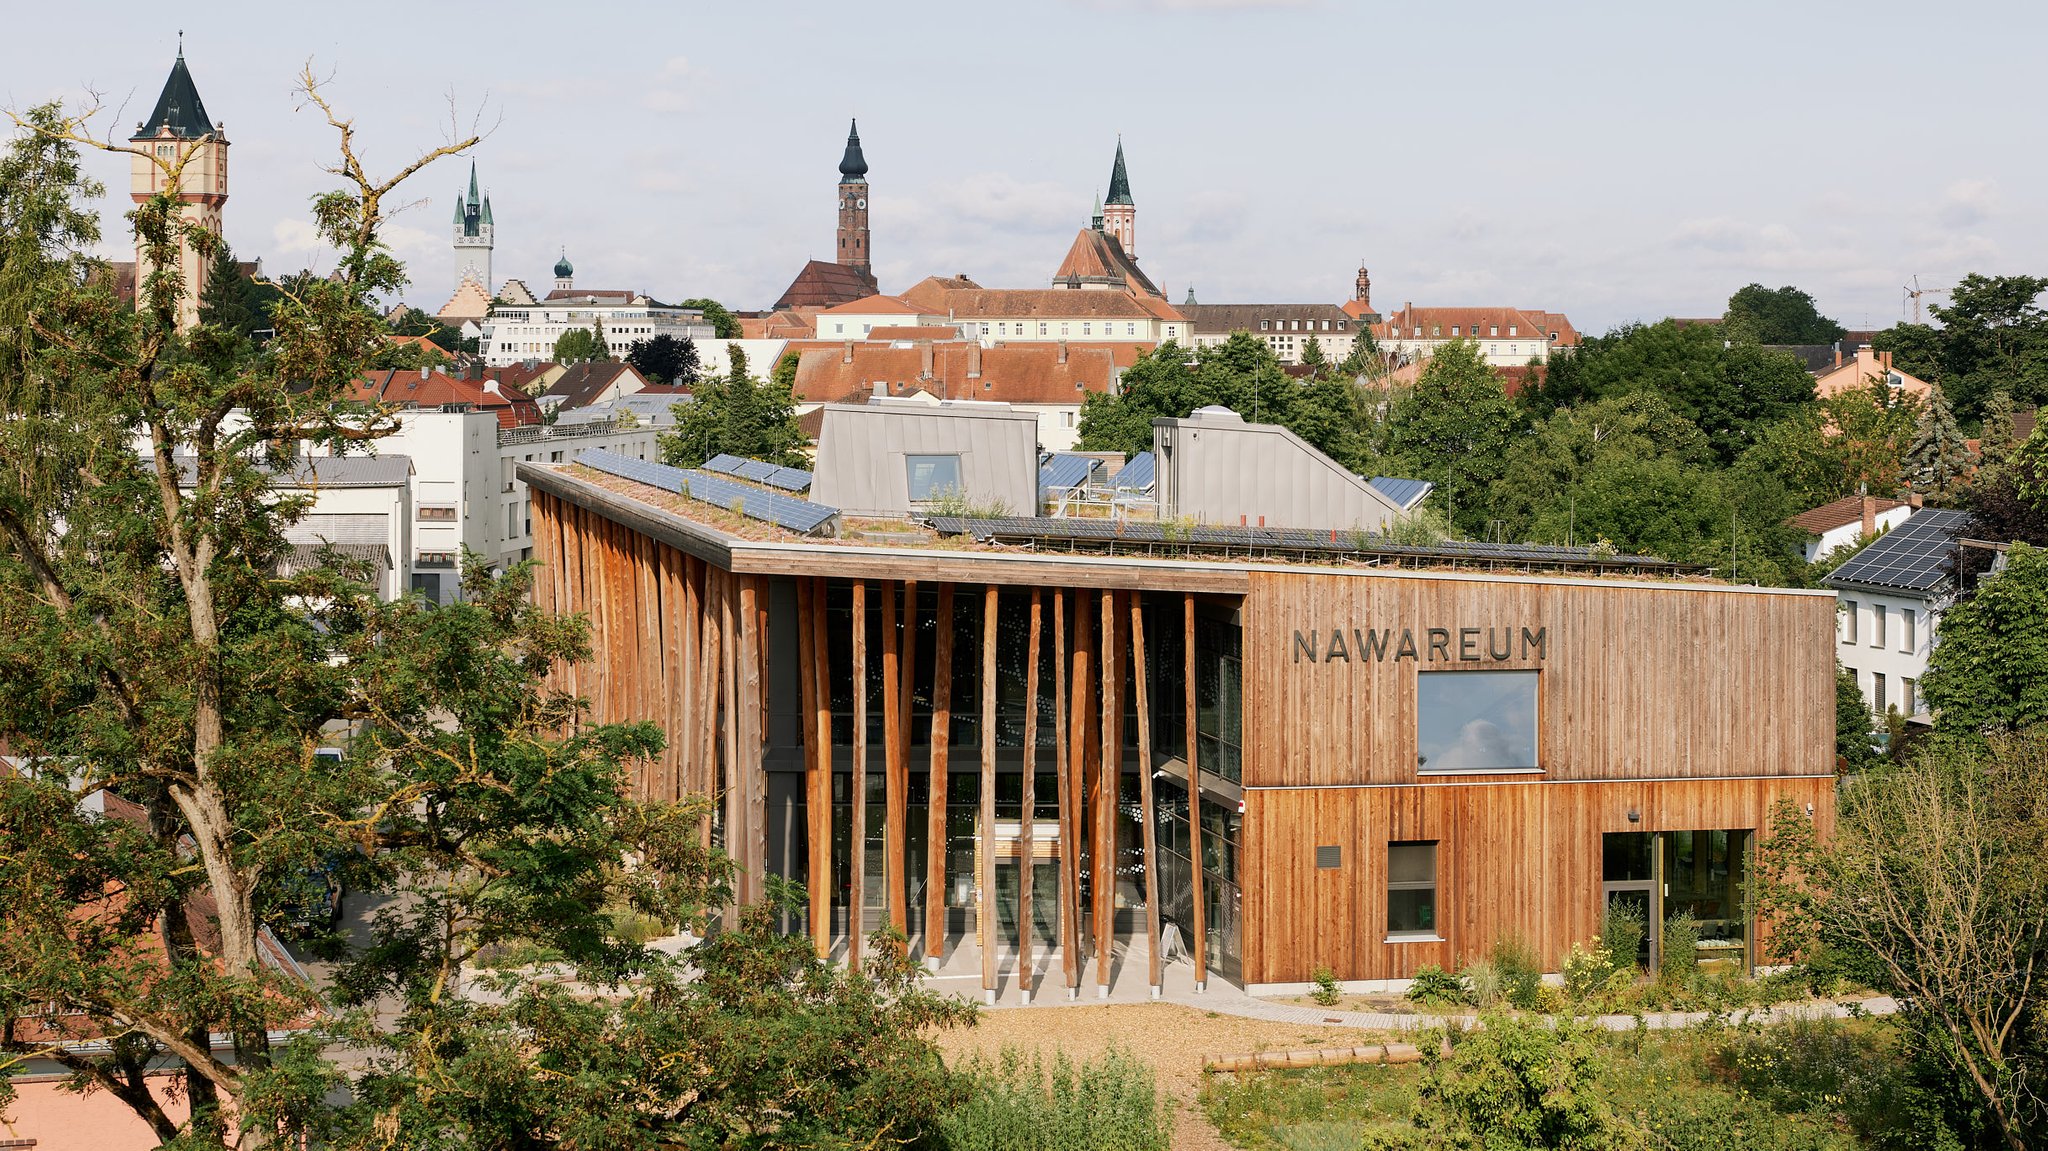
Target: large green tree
(1241, 374)
(1989, 672)
(665, 359)
(1994, 336)
(1453, 428)
(1730, 391)
(739, 414)
(159, 660)
(1786, 315)
(578, 345)
(724, 324)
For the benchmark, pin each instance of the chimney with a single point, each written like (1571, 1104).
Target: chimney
(1838, 353)
(882, 388)
(1063, 351)
(426, 373)
(974, 360)
(849, 353)
(1885, 358)
(924, 356)
(1869, 514)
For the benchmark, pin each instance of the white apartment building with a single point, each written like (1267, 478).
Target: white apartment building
(520, 332)
(1507, 337)
(1287, 329)
(1891, 597)
(464, 493)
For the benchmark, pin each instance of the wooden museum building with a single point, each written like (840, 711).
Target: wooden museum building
(1208, 713)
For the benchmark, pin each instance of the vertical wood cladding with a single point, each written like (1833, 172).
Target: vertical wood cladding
(1639, 681)
(1520, 858)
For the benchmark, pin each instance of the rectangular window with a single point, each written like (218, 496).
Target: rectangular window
(441, 513)
(1130, 329)
(1906, 629)
(1265, 325)
(1087, 329)
(1848, 621)
(1877, 692)
(1042, 329)
(1454, 331)
(1877, 625)
(1411, 890)
(1063, 329)
(932, 476)
(1907, 703)
(1475, 721)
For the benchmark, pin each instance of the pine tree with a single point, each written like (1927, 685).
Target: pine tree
(1939, 458)
(1313, 359)
(601, 350)
(1996, 443)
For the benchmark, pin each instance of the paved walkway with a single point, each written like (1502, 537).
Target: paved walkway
(960, 975)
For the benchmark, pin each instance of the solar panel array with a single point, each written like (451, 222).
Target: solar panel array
(754, 503)
(1138, 474)
(760, 472)
(1918, 555)
(1064, 472)
(1405, 493)
(1302, 540)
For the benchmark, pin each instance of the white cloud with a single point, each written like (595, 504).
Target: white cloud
(1968, 203)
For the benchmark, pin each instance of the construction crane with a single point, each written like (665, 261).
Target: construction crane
(1913, 293)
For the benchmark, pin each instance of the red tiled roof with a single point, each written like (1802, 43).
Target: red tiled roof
(1098, 257)
(513, 407)
(1053, 303)
(520, 376)
(1439, 323)
(1033, 373)
(1839, 513)
(915, 332)
(823, 284)
(876, 305)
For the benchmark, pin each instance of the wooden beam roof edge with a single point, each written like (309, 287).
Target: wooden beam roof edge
(679, 532)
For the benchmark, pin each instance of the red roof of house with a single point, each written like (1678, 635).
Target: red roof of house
(433, 389)
(876, 305)
(823, 284)
(1097, 256)
(1839, 514)
(1047, 373)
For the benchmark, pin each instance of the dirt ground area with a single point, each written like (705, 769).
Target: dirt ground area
(1171, 1037)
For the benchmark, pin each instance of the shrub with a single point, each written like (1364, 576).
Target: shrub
(1326, 991)
(1432, 984)
(1484, 980)
(1514, 1084)
(1621, 937)
(957, 503)
(1016, 1103)
(1587, 970)
(1520, 974)
(1679, 961)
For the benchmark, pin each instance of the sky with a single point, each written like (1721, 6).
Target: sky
(1612, 161)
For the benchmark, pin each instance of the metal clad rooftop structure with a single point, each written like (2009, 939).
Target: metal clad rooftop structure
(893, 457)
(1217, 468)
(1917, 556)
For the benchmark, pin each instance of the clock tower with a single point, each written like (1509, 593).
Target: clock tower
(853, 204)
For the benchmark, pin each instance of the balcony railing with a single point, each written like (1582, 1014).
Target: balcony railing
(541, 433)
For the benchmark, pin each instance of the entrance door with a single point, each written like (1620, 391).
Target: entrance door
(1628, 873)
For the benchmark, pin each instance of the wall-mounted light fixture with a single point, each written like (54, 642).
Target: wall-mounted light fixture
(1634, 816)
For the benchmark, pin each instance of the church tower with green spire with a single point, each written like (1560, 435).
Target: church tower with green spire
(473, 240)
(1119, 212)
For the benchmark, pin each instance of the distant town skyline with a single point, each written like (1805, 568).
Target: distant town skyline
(1610, 162)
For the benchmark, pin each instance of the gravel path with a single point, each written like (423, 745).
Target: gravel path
(1174, 1038)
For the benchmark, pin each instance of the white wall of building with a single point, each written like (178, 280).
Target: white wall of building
(1886, 640)
(512, 334)
(1073, 329)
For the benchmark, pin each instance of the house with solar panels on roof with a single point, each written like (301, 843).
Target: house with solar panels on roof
(1220, 724)
(1892, 595)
